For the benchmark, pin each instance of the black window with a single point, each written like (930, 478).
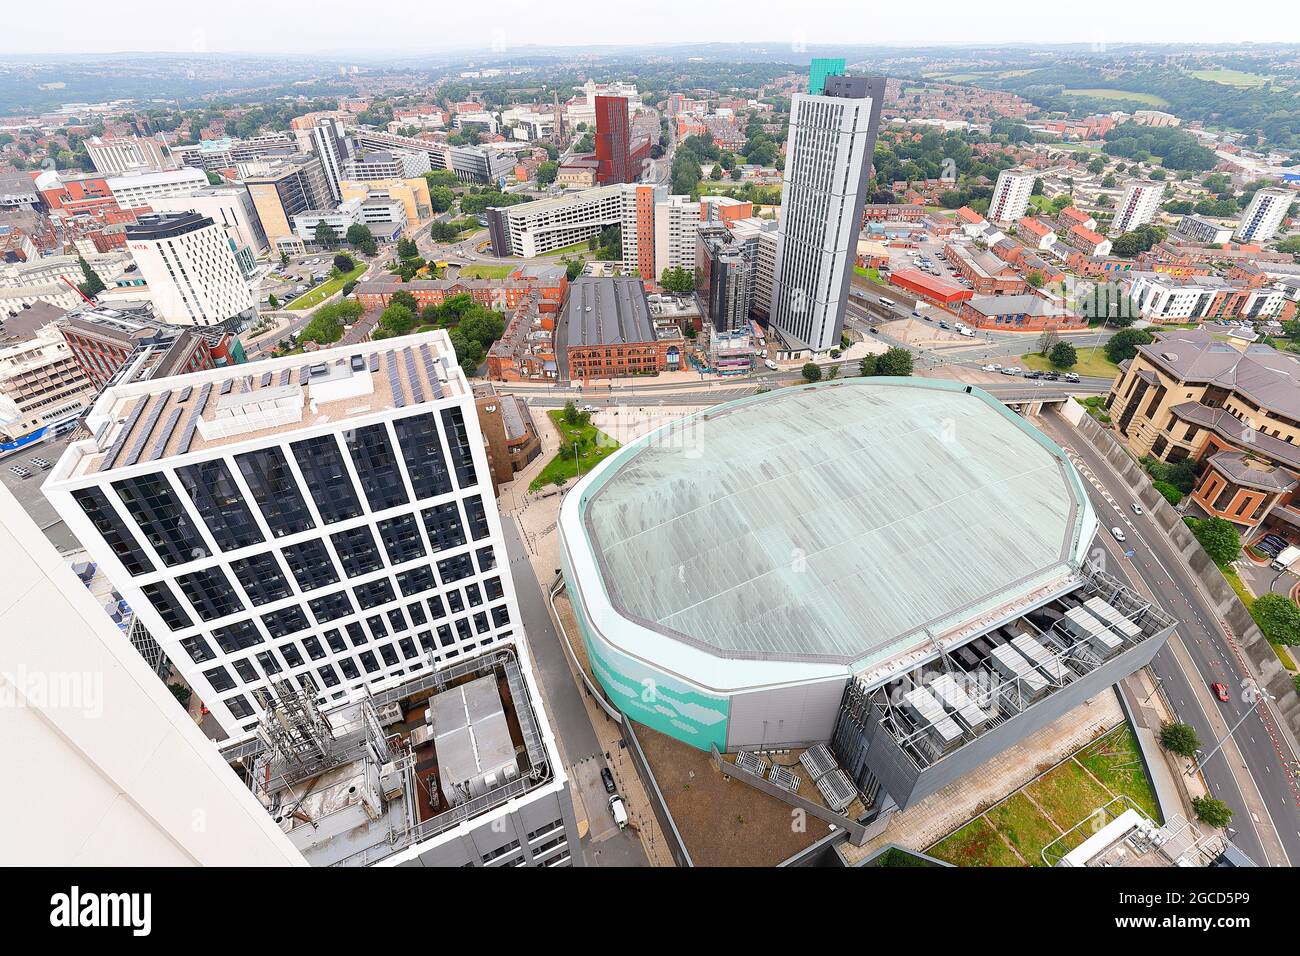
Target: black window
(285, 621)
(314, 650)
(349, 669)
(262, 578)
(327, 674)
(326, 476)
(443, 524)
(220, 504)
(162, 518)
(211, 593)
(455, 602)
(273, 486)
(426, 640)
(481, 622)
(401, 537)
(238, 706)
(444, 635)
(408, 647)
(220, 679)
(374, 594)
(331, 607)
(236, 637)
(389, 654)
(396, 621)
(377, 629)
(310, 564)
(476, 517)
(246, 671)
(473, 595)
(270, 664)
(113, 529)
(462, 629)
(335, 640)
(167, 606)
(369, 662)
(416, 581)
(357, 551)
(290, 654)
(436, 610)
(357, 634)
(500, 616)
(462, 459)
(487, 558)
(377, 467)
(198, 649)
(493, 589)
(416, 613)
(422, 450)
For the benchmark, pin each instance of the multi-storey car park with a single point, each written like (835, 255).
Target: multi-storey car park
(895, 567)
(327, 518)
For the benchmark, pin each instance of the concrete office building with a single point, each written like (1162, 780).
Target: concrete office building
(331, 144)
(676, 222)
(471, 164)
(828, 161)
(230, 207)
(1200, 229)
(290, 185)
(1011, 195)
(190, 264)
(640, 229)
(816, 607)
(1268, 207)
(327, 518)
(139, 190)
(384, 164)
(122, 155)
(1139, 204)
(535, 228)
(124, 772)
(41, 384)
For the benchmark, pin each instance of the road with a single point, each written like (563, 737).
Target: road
(605, 844)
(1255, 774)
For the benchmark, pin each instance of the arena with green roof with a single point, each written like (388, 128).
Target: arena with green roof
(732, 570)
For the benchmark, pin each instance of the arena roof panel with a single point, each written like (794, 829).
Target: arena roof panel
(832, 522)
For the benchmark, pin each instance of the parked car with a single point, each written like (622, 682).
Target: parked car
(1220, 691)
(989, 368)
(1072, 377)
(607, 779)
(618, 810)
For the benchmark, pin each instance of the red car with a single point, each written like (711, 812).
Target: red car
(1220, 692)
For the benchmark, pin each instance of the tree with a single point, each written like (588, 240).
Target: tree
(715, 173)
(397, 319)
(92, 285)
(895, 360)
(344, 263)
(407, 249)
(1139, 240)
(1212, 812)
(1046, 340)
(1171, 494)
(1278, 617)
(1179, 738)
(1036, 278)
(867, 366)
(677, 279)
(1124, 344)
(362, 239)
(441, 198)
(811, 372)
(284, 259)
(1063, 355)
(573, 267)
(547, 172)
(406, 300)
(570, 413)
(272, 301)
(324, 235)
(181, 693)
(1220, 540)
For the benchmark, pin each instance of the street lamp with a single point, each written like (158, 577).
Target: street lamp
(1159, 680)
(1198, 764)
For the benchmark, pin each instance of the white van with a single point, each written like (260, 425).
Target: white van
(619, 811)
(967, 332)
(769, 365)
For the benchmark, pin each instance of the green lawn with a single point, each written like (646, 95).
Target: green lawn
(1027, 829)
(570, 250)
(593, 446)
(1232, 78)
(486, 272)
(872, 274)
(975, 844)
(1042, 204)
(1067, 794)
(326, 289)
(1092, 361)
(1147, 99)
(1115, 761)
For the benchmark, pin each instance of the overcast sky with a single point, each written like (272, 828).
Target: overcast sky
(329, 26)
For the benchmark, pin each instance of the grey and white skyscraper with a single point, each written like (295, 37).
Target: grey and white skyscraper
(330, 142)
(828, 160)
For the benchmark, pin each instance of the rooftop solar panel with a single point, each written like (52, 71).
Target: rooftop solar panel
(137, 446)
(225, 386)
(185, 394)
(284, 377)
(116, 448)
(168, 427)
(417, 390)
(374, 362)
(394, 384)
(266, 380)
(188, 435)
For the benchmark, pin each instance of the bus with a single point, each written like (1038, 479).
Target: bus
(887, 303)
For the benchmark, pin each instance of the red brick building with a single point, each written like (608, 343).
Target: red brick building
(987, 274)
(549, 282)
(929, 288)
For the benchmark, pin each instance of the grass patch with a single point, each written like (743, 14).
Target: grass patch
(1284, 655)
(1067, 794)
(577, 247)
(1025, 826)
(1096, 407)
(1148, 99)
(481, 271)
(895, 857)
(1092, 361)
(593, 447)
(871, 274)
(1232, 78)
(1234, 579)
(326, 289)
(975, 844)
(1115, 761)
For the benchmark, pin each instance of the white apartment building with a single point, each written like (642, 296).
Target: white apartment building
(1201, 229)
(326, 518)
(1139, 204)
(230, 207)
(125, 772)
(191, 267)
(123, 155)
(1268, 207)
(388, 216)
(1161, 297)
(828, 160)
(384, 164)
(535, 228)
(40, 384)
(676, 223)
(139, 190)
(330, 142)
(1011, 195)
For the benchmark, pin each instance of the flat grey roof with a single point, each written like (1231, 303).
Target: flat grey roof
(1270, 377)
(607, 311)
(830, 522)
